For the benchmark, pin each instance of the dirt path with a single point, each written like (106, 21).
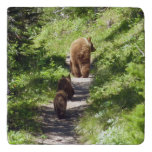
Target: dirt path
(62, 131)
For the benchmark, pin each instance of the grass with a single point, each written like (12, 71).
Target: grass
(128, 132)
(20, 137)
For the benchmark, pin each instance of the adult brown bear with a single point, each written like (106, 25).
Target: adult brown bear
(64, 92)
(80, 53)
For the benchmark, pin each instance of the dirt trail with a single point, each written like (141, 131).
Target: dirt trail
(62, 131)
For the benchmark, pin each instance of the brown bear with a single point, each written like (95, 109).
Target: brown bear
(65, 84)
(60, 103)
(64, 92)
(80, 52)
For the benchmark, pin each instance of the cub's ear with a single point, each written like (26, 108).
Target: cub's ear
(63, 76)
(69, 76)
(89, 39)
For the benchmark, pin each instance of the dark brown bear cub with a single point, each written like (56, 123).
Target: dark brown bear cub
(80, 53)
(65, 84)
(64, 92)
(60, 103)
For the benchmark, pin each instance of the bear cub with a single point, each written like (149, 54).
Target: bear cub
(65, 91)
(65, 84)
(60, 103)
(80, 52)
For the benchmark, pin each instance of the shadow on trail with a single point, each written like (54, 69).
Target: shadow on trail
(60, 131)
(81, 91)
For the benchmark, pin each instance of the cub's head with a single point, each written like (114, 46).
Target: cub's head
(68, 78)
(92, 47)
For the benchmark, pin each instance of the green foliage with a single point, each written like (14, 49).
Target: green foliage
(137, 71)
(23, 115)
(33, 72)
(128, 130)
(118, 85)
(20, 137)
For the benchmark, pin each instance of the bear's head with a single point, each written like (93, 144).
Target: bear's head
(92, 47)
(68, 78)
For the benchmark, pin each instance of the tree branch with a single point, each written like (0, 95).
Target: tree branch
(139, 50)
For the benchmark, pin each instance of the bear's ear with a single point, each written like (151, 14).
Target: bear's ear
(89, 39)
(69, 77)
(63, 76)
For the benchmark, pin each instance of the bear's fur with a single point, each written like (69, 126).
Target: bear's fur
(80, 53)
(60, 103)
(64, 92)
(65, 84)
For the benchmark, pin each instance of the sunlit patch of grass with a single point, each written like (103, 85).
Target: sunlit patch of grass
(20, 137)
(128, 129)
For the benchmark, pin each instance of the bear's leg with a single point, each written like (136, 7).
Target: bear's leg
(76, 70)
(71, 69)
(85, 70)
